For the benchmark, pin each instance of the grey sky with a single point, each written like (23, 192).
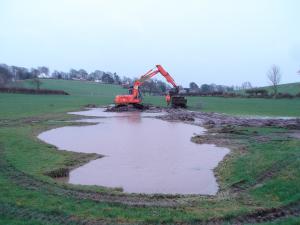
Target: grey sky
(206, 41)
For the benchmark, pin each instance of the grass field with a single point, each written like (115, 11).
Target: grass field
(262, 171)
(82, 93)
(291, 88)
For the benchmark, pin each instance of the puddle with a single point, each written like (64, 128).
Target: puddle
(142, 154)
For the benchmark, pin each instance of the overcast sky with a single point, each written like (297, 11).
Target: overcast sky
(206, 41)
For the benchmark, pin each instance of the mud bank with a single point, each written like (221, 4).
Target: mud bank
(135, 108)
(210, 120)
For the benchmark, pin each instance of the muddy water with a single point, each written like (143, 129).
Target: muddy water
(142, 154)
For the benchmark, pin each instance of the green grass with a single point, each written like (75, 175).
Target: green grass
(81, 93)
(12, 221)
(27, 154)
(280, 153)
(289, 221)
(290, 88)
(246, 106)
(22, 117)
(239, 106)
(89, 92)
(37, 201)
(15, 106)
(76, 88)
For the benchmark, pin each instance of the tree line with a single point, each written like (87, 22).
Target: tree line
(13, 73)
(194, 89)
(153, 86)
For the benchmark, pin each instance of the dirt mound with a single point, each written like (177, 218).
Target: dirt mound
(179, 114)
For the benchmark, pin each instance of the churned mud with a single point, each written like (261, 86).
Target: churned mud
(210, 119)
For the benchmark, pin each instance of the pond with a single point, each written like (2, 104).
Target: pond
(142, 154)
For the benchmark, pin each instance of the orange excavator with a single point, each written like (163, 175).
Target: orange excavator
(134, 97)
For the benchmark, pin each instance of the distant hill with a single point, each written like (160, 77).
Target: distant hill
(291, 88)
(75, 88)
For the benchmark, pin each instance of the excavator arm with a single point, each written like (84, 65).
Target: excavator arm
(151, 73)
(166, 75)
(162, 71)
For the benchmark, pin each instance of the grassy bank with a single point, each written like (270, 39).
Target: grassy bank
(261, 173)
(291, 88)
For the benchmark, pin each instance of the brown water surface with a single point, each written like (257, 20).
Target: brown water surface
(142, 155)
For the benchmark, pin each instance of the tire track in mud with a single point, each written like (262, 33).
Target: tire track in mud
(262, 215)
(30, 183)
(52, 217)
(264, 176)
(56, 217)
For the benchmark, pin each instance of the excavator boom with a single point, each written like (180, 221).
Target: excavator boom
(166, 75)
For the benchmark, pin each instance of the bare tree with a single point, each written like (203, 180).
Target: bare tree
(274, 76)
(246, 85)
(5, 75)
